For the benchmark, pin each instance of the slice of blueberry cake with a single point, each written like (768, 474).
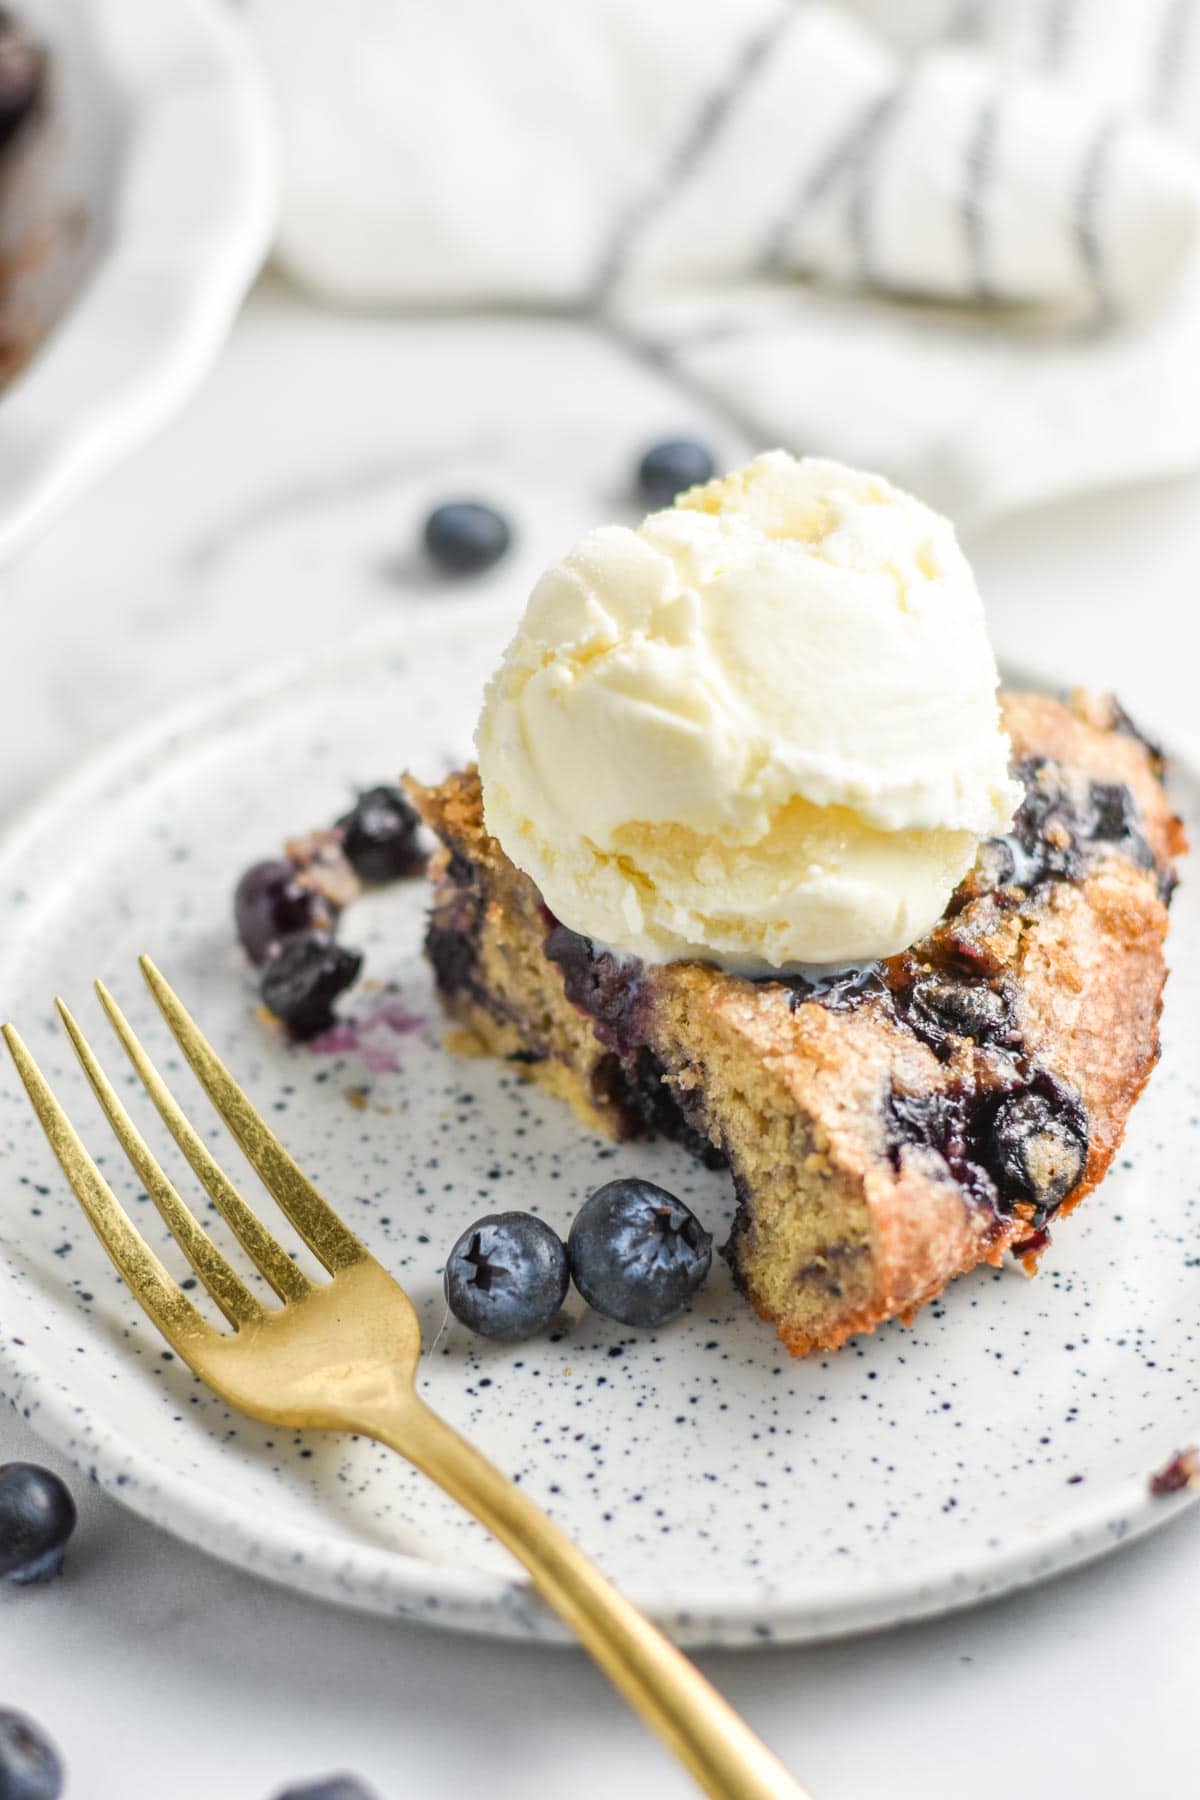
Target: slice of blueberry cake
(885, 1130)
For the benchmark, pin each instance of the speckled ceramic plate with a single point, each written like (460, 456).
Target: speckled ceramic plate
(737, 1495)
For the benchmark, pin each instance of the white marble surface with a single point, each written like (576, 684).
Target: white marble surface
(278, 511)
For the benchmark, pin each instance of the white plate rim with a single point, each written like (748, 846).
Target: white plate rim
(466, 1597)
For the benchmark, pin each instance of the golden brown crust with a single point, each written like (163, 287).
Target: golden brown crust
(1089, 966)
(848, 1218)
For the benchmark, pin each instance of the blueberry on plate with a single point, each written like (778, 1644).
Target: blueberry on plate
(37, 1516)
(303, 976)
(507, 1276)
(668, 468)
(29, 1765)
(465, 536)
(269, 905)
(379, 836)
(637, 1253)
(332, 1787)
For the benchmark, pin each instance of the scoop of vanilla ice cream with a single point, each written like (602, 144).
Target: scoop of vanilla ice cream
(760, 730)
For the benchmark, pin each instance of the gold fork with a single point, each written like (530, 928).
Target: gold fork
(342, 1356)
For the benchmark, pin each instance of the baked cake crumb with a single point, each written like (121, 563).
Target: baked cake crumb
(1183, 1471)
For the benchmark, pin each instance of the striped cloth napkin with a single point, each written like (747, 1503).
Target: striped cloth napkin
(955, 240)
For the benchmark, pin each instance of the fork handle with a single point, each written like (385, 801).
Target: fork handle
(725, 1757)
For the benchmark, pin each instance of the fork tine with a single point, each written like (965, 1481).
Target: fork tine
(150, 1284)
(313, 1217)
(219, 1277)
(267, 1254)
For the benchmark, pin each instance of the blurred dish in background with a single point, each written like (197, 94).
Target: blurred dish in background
(136, 209)
(24, 78)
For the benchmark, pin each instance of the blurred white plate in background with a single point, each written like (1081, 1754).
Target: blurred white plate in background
(141, 210)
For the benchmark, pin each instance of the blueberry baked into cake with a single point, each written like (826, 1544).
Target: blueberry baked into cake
(755, 860)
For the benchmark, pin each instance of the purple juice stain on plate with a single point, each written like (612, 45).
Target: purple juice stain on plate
(372, 1035)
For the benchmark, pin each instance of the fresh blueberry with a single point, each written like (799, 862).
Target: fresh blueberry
(269, 904)
(37, 1516)
(637, 1253)
(29, 1764)
(507, 1276)
(379, 836)
(303, 976)
(333, 1787)
(465, 536)
(668, 468)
